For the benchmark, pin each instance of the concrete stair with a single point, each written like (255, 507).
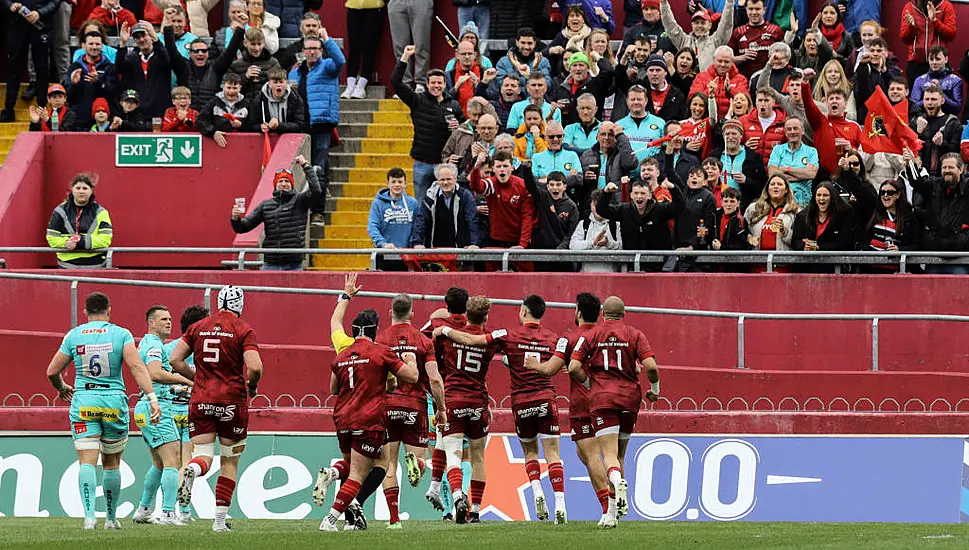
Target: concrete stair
(9, 130)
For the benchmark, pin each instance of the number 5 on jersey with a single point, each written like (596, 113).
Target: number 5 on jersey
(210, 350)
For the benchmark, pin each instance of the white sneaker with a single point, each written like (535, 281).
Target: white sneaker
(351, 86)
(90, 524)
(169, 518)
(113, 525)
(327, 525)
(435, 499)
(185, 487)
(609, 521)
(602, 519)
(186, 517)
(622, 504)
(541, 509)
(561, 518)
(221, 528)
(323, 481)
(143, 516)
(360, 91)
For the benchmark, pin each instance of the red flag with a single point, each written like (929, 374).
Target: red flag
(430, 262)
(267, 151)
(885, 129)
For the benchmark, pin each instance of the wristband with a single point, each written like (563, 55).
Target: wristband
(654, 387)
(345, 296)
(152, 397)
(446, 330)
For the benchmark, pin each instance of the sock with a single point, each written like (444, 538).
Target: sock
(224, 487)
(112, 492)
(374, 479)
(169, 486)
(220, 513)
(534, 473)
(87, 484)
(185, 509)
(344, 469)
(199, 465)
(152, 481)
(603, 497)
(611, 503)
(438, 464)
(392, 494)
(615, 476)
(456, 481)
(556, 474)
(348, 490)
(477, 495)
(446, 499)
(466, 473)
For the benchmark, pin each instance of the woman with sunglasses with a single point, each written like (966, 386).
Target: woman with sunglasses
(826, 224)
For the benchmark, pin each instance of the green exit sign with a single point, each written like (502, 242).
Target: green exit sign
(158, 150)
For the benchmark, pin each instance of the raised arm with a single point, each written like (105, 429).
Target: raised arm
(461, 337)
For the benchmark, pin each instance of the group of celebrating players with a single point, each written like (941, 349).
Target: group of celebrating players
(387, 384)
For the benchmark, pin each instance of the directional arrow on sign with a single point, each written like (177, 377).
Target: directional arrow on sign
(187, 150)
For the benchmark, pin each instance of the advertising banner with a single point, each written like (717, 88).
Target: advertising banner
(702, 478)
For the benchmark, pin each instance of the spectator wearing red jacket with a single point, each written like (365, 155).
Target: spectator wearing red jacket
(181, 117)
(752, 41)
(925, 23)
(112, 16)
(832, 131)
(510, 205)
(764, 126)
(721, 80)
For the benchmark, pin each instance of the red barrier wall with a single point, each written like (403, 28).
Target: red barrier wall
(22, 221)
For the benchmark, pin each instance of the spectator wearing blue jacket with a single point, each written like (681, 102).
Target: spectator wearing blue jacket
(598, 13)
(392, 218)
(318, 82)
(557, 159)
(940, 73)
(641, 126)
(447, 217)
(522, 60)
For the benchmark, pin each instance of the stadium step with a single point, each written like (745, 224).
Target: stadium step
(374, 145)
(365, 175)
(373, 92)
(377, 130)
(373, 105)
(348, 218)
(361, 190)
(340, 262)
(373, 160)
(9, 130)
(380, 117)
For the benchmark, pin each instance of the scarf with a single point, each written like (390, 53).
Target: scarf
(833, 35)
(466, 91)
(576, 39)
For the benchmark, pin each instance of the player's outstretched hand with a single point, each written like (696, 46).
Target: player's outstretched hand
(155, 412)
(66, 393)
(651, 396)
(350, 284)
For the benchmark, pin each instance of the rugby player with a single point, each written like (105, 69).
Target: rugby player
(607, 356)
(162, 438)
(99, 406)
(227, 372)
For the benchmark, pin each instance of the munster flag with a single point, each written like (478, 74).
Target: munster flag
(267, 151)
(885, 129)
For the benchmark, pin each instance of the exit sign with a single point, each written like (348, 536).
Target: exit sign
(158, 150)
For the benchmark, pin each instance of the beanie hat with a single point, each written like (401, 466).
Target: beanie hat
(733, 123)
(100, 104)
(656, 60)
(470, 28)
(283, 174)
(578, 57)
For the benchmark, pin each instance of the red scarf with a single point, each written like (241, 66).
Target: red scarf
(821, 227)
(44, 126)
(768, 239)
(466, 91)
(834, 35)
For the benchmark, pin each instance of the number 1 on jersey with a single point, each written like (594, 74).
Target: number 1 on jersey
(350, 376)
(605, 359)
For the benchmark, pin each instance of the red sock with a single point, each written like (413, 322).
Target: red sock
(348, 490)
(224, 487)
(344, 470)
(203, 465)
(612, 493)
(438, 464)
(603, 497)
(556, 475)
(533, 470)
(477, 491)
(455, 478)
(392, 494)
(421, 464)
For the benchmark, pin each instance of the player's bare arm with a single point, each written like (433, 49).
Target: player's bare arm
(177, 360)
(409, 373)
(253, 370)
(334, 384)
(578, 373)
(140, 373)
(553, 366)
(439, 313)
(461, 337)
(437, 390)
(159, 374)
(350, 289)
(57, 365)
(652, 374)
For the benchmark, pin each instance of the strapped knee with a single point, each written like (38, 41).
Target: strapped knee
(234, 450)
(113, 447)
(204, 450)
(87, 444)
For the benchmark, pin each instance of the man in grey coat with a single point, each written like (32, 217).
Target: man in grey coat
(610, 159)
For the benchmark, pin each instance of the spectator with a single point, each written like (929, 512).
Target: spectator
(874, 71)
(713, 169)
(28, 30)
(743, 167)
(852, 182)
(741, 105)
(447, 216)
(925, 23)
(940, 132)
(771, 217)
(226, 112)
(530, 138)
(511, 94)
(598, 13)
(833, 133)
(60, 43)
(856, 13)
(580, 81)
(696, 220)
(673, 152)
(721, 80)
(946, 203)
(941, 75)
(112, 15)
(522, 60)
(131, 118)
(606, 162)
(643, 221)
(410, 24)
(581, 136)
(892, 224)
(289, 13)
(651, 28)
(181, 117)
(573, 37)
(780, 67)
(464, 78)
(93, 26)
(557, 159)
(700, 39)
(752, 41)
(792, 103)
(79, 227)
(392, 218)
(458, 149)
(476, 13)
(696, 129)
(869, 31)
(794, 161)
(288, 57)
(238, 17)
(764, 128)
(633, 13)
(55, 117)
(663, 100)
(510, 206)
(641, 126)
(201, 74)
(814, 53)
(256, 61)
(829, 22)
(555, 217)
(268, 23)
(147, 69)
(101, 113)
(629, 72)
(277, 108)
(198, 17)
(826, 223)
(732, 232)
(469, 32)
(283, 217)
(684, 71)
(365, 25)
(434, 117)
(537, 88)
(596, 233)
(177, 19)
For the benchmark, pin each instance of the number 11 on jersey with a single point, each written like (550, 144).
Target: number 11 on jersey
(605, 359)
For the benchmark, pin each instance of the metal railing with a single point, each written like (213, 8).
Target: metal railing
(636, 258)
(741, 317)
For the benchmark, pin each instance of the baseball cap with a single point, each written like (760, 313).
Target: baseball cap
(56, 89)
(651, 4)
(131, 95)
(138, 29)
(578, 57)
(702, 13)
(100, 104)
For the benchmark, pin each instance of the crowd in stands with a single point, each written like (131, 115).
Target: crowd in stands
(739, 129)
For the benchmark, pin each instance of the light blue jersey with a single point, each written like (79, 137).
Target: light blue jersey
(97, 350)
(180, 400)
(641, 134)
(153, 349)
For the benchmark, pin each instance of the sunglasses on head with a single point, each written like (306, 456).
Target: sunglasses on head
(887, 193)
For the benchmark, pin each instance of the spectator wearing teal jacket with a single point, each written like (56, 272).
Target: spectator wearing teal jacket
(557, 159)
(641, 126)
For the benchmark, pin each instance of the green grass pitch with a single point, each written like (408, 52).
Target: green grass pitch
(47, 534)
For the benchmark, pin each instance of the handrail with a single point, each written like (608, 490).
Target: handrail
(741, 317)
